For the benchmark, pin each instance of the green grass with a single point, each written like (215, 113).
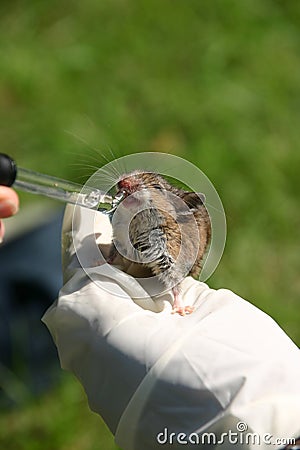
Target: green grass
(58, 420)
(214, 82)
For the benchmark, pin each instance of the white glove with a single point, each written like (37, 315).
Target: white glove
(149, 373)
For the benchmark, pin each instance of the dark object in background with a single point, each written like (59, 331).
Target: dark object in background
(30, 278)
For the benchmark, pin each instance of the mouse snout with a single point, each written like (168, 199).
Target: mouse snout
(124, 185)
(127, 186)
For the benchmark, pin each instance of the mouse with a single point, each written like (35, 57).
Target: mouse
(164, 228)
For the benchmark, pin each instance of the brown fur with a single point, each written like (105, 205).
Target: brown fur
(183, 225)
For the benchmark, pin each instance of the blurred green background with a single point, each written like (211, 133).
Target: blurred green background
(214, 82)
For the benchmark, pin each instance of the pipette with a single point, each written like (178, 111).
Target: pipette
(66, 191)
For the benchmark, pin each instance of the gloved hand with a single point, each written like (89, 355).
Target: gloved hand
(149, 373)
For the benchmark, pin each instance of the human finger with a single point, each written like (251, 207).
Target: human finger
(9, 202)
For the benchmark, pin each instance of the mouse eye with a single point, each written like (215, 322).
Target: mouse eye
(157, 186)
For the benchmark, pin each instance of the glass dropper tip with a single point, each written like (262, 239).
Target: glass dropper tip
(49, 186)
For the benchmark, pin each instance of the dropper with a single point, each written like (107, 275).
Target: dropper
(66, 191)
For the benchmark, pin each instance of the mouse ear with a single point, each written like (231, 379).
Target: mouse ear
(194, 199)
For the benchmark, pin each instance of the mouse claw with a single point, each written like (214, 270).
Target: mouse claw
(182, 310)
(179, 307)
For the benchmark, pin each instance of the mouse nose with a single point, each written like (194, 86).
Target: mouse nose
(125, 185)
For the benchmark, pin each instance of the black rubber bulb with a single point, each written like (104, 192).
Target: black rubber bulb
(8, 170)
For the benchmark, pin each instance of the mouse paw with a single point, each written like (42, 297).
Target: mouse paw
(179, 307)
(182, 310)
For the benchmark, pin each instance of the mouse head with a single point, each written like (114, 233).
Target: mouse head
(150, 186)
(139, 180)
